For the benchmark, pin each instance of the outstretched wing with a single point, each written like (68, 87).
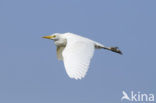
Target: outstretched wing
(77, 56)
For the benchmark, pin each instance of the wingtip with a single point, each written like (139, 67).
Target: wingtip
(76, 77)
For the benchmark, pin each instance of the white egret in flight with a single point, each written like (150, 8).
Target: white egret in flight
(76, 52)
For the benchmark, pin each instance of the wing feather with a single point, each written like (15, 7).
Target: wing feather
(77, 56)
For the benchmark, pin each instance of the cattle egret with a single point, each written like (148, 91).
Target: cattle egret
(76, 52)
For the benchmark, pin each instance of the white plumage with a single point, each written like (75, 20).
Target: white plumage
(76, 52)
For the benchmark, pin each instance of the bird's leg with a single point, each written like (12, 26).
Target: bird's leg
(113, 49)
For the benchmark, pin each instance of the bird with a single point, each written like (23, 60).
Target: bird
(76, 52)
(125, 96)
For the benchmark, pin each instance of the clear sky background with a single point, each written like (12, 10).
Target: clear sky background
(31, 73)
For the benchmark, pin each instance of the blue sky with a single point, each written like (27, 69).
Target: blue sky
(31, 73)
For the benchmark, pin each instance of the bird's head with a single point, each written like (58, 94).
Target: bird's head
(59, 39)
(54, 37)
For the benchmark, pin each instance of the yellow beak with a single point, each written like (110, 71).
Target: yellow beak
(48, 37)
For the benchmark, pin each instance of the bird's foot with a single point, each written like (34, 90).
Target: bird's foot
(115, 49)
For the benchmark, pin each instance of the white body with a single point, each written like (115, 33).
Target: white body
(76, 52)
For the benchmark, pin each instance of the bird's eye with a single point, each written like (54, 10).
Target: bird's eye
(54, 36)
